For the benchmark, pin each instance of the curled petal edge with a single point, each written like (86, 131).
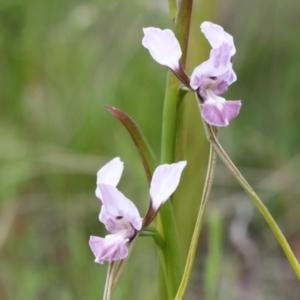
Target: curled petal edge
(220, 114)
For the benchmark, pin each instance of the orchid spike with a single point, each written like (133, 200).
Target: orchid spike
(120, 216)
(211, 78)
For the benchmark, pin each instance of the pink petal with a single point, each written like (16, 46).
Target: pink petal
(218, 65)
(164, 182)
(216, 36)
(118, 212)
(223, 81)
(109, 174)
(163, 47)
(200, 74)
(220, 59)
(219, 114)
(112, 247)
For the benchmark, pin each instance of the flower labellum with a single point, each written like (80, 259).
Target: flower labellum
(120, 216)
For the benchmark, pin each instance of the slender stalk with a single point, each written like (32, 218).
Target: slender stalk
(255, 199)
(151, 231)
(198, 225)
(109, 281)
(121, 265)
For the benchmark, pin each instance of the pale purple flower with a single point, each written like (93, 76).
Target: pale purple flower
(120, 216)
(211, 78)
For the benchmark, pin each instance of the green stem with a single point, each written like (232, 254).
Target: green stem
(259, 204)
(118, 269)
(171, 251)
(169, 119)
(198, 225)
(152, 232)
(172, 8)
(168, 230)
(182, 26)
(181, 128)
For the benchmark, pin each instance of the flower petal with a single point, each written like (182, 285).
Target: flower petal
(163, 47)
(223, 81)
(164, 182)
(112, 247)
(109, 174)
(118, 212)
(216, 36)
(220, 59)
(219, 114)
(200, 74)
(216, 66)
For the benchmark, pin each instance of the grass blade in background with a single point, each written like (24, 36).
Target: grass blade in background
(213, 261)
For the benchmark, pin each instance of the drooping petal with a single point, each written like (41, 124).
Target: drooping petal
(164, 182)
(163, 47)
(109, 174)
(118, 212)
(216, 36)
(220, 113)
(112, 247)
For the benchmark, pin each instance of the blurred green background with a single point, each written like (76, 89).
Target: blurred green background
(60, 62)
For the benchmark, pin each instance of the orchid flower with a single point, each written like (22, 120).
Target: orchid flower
(210, 79)
(120, 216)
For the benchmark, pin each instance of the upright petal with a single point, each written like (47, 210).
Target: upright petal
(109, 174)
(164, 182)
(220, 59)
(216, 36)
(112, 247)
(118, 212)
(163, 47)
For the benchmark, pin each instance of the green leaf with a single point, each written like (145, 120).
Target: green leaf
(146, 154)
